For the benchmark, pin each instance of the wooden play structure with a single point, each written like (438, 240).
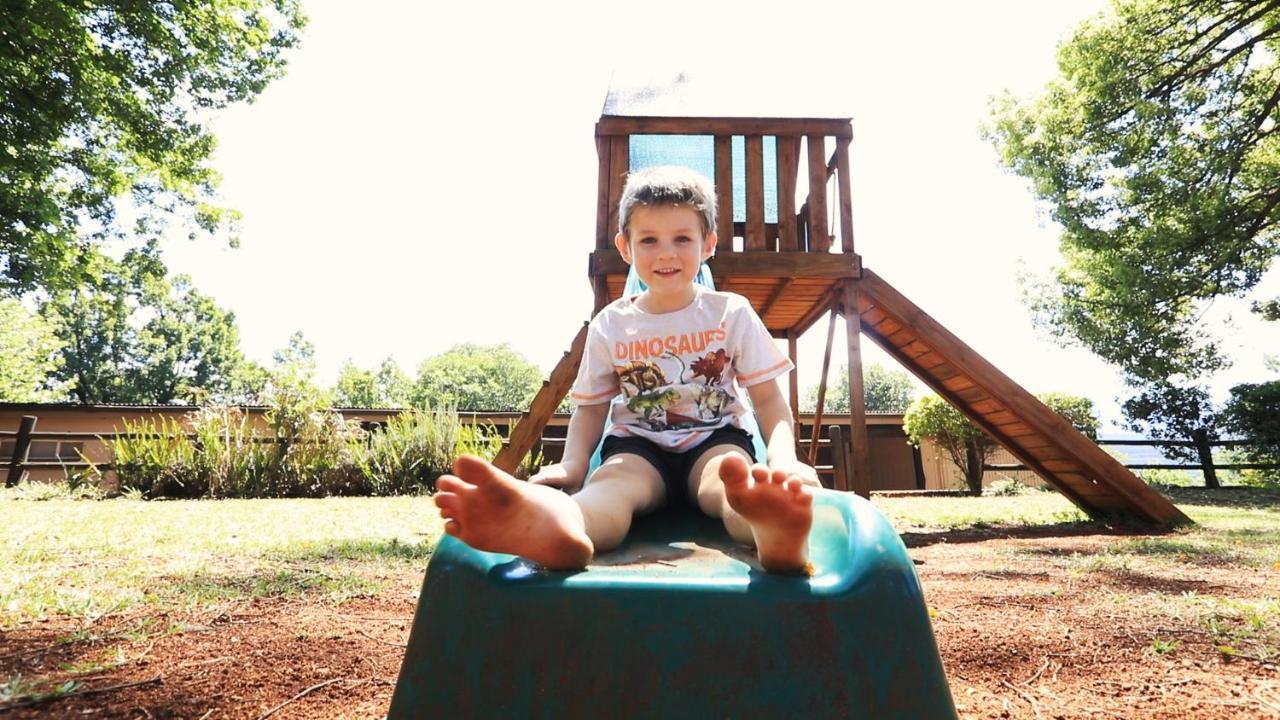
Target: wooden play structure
(792, 255)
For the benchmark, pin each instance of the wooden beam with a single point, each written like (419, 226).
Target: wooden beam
(604, 236)
(804, 323)
(793, 385)
(1037, 417)
(859, 442)
(755, 193)
(617, 125)
(822, 390)
(751, 264)
(619, 166)
(724, 193)
(1007, 443)
(846, 195)
(788, 164)
(544, 403)
(777, 293)
(819, 235)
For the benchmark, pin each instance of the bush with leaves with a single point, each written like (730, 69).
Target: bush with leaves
(412, 449)
(1253, 413)
(930, 417)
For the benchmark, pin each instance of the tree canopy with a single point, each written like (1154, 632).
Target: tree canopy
(104, 107)
(29, 357)
(477, 377)
(1156, 152)
(884, 390)
(160, 343)
(387, 387)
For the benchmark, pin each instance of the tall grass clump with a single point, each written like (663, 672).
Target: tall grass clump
(155, 457)
(417, 446)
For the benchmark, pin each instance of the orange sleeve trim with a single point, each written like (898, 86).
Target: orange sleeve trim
(744, 380)
(589, 399)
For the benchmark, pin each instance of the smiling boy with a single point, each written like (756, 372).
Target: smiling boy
(668, 367)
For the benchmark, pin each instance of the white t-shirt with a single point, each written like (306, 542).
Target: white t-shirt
(675, 377)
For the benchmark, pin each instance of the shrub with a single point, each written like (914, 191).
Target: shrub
(966, 445)
(156, 458)
(417, 446)
(1251, 413)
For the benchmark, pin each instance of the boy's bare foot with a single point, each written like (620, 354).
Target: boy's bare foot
(778, 508)
(492, 511)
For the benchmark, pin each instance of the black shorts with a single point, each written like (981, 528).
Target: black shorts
(675, 465)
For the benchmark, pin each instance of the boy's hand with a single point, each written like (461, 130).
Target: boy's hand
(558, 476)
(805, 472)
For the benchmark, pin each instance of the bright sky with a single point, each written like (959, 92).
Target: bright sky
(424, 177)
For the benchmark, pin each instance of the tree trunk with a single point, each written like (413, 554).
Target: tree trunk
(973, 468)
(1201, 438)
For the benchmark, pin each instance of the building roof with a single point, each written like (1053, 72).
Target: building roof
(741, 92)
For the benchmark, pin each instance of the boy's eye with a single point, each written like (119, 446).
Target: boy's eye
(683, 239)
(647, 240)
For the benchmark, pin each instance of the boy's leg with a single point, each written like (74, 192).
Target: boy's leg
(759, 507)
(493, 511)
(625, 485)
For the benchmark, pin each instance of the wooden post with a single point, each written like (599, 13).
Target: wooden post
(819, 234)
(860, 444)
(794, 386)
(20, 448)
(724, 192)
(839, 458)
(1201, 438)
(822, 390)
(846, 203)
(755, 239)
(787, 148)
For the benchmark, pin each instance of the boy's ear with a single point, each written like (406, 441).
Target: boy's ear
(624, 247)
(709, 245)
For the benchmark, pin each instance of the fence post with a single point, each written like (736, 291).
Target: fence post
(20, 448)
(1200, 437)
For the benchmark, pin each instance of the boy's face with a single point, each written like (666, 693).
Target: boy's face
(666, 246)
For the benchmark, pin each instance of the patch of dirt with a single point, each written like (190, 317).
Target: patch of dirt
(1023, 632)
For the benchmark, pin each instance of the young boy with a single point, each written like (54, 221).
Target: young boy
(668, 367)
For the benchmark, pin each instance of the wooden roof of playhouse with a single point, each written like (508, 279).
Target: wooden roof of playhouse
(786, 243)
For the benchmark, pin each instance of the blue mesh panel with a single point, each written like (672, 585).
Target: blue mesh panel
(699, 152)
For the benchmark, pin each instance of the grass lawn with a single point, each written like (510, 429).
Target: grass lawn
(86, 559)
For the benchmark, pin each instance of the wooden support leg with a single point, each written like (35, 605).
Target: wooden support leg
(529, 429)
(859, 443)
(822, 391)
(794, 387)
(20, 447)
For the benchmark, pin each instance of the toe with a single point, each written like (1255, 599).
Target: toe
(760, 473)
(733, 472)
(450, 484)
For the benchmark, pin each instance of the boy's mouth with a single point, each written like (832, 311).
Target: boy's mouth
(667, 272)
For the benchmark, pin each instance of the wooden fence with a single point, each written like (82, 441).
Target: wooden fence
(17, 460)
(1204, 453)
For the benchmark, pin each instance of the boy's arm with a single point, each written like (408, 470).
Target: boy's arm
(585, 428)
(774, 416)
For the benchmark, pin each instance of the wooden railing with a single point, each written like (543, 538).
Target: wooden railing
(797, 142)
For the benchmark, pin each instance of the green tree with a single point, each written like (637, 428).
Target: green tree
(1251, 414)
(29, 357)
(932, 418)
(387, 387)
(1156, 152)
(477, 377)
(152, 341)
(884, 390)
(107, 102)
(1074, 409)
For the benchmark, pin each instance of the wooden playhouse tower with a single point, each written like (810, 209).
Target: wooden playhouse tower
(787, 244)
